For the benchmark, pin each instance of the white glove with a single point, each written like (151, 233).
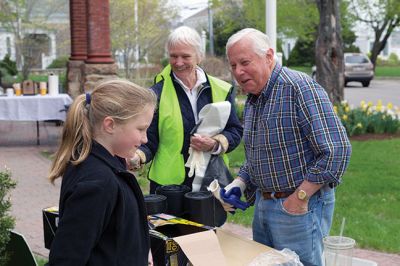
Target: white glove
(195, 162)
(214, 188)
(237, 182)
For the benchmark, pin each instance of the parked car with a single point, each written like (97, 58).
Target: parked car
(357, 67)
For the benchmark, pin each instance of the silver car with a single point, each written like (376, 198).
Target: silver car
(357, 67)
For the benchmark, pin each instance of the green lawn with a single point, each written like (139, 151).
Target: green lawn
(387, 71)
(368, 197)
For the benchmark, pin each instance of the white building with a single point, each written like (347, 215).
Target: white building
(48, 27)
(365, 40)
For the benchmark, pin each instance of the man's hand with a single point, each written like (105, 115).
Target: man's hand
(202, 143)
(215, 189)
(237, 182)
(294, 205)
(232, 193)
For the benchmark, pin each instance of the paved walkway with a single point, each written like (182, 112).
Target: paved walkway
(19, 152)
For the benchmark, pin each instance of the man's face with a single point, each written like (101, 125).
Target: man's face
(250, 70)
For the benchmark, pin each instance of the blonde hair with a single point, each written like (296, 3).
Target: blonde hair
(117, 98)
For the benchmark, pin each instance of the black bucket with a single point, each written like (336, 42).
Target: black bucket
(204, 208)
(175, 197)
(155, 203)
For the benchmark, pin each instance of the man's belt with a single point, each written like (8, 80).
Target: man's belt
(275, 195)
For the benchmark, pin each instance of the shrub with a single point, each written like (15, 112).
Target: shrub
(215, 66)
(239, 109)
(9, 66)
(6, 221)
(7, 81)
(368, 118)
(302, 54)
(60, 62)
(392, 60)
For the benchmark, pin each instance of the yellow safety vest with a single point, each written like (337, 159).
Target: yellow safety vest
(168, 166)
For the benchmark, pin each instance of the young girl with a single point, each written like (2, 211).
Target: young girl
(102, 213)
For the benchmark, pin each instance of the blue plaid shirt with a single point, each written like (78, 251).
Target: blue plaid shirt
(291, 134)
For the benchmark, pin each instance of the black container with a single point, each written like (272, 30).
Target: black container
(204, 208)
(155, 203)
(50, 225)
(175, 197)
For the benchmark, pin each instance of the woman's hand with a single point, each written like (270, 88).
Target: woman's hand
(202, 143)
(134, 163)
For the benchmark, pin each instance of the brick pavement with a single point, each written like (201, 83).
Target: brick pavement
(19, 152)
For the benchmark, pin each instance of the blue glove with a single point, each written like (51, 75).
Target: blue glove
(233, 197)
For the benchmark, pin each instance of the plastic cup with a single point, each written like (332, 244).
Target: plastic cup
(10, 92)
(17, 89)
(338, 250)
(43, 88)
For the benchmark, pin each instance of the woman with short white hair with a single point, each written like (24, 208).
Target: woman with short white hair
(183, 89)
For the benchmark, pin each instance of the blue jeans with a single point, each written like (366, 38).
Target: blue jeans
(303, 233)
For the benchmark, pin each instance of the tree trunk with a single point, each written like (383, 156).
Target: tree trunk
(329, 50)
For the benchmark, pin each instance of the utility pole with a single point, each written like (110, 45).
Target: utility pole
(270, 26)
(210, 27)
(270, 21)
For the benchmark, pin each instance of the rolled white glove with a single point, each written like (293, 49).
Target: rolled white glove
(237, 182)
(135, 163)
(214, 188)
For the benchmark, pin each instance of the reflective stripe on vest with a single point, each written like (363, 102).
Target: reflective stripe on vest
(168, 166)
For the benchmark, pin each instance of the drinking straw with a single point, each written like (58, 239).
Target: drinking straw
(335, 262)
(342, 229)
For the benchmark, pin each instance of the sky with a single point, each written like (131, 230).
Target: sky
(189, 7)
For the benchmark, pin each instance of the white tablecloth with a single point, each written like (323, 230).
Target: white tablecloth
(34, 107)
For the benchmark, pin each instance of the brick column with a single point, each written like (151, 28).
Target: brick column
(98, 23)
(77, 10)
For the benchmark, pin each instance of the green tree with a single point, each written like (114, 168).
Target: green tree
(303, 53)
(140, 39)
(20, 17)
(228, 19)
(347, 22)
(295, 19)
(381, 16)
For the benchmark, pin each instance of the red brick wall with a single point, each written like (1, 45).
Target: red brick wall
(98, 25)
(78, 20)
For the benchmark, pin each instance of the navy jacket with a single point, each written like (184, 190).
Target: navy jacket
(103, 219)
(233, 130)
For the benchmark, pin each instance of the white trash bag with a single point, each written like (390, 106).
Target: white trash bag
(275, 258)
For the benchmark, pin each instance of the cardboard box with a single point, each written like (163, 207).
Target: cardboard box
(50, 224)
(165, 250)
(176, 241)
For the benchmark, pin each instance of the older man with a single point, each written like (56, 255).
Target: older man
(296, 149)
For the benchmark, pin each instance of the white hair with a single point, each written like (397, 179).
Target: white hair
(188, 36)
(260, 41)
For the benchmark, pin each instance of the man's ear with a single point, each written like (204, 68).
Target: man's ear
(270, 55)
(108, 124)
